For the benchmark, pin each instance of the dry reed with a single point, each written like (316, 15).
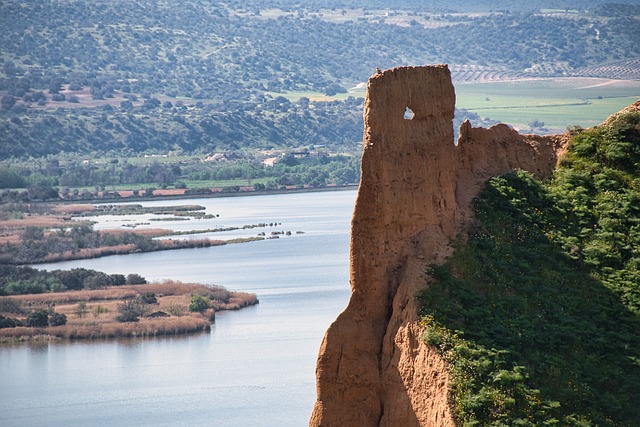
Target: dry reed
(98, 320)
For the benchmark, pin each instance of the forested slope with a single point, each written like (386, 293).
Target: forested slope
(163, 75)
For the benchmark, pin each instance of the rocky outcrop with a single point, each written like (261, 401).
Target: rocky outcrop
(414, 199)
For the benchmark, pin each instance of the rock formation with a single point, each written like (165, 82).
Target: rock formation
(414, 199)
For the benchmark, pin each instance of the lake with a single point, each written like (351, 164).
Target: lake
(255, 368)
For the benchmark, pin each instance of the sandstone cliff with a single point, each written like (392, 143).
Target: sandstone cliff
(414, 199)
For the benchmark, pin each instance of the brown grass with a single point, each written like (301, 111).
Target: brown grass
(166, 192)
(130, 248)
(96, 330)
(99, 321)
(169, 192)
(11, 229)
(11, 238)
(50, 221)
(149, 232)
(91, 252)
(74, 209)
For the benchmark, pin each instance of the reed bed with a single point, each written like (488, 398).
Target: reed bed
(100, 308)
(74, 208)
(87, 253)
(95, 330)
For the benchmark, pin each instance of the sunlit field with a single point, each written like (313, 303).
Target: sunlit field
(557, 103)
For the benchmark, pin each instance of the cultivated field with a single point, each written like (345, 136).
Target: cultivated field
(557, 102)
(519, 101)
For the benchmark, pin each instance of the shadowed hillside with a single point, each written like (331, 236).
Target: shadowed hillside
(538, 309)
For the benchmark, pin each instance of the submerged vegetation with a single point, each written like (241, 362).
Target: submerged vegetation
(538, 309)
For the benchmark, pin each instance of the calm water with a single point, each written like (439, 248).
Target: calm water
(255, 368)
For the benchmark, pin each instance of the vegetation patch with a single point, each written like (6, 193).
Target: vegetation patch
(38, 233)
(547, 105)
(538, 309)
(135, 310)
(199, 79)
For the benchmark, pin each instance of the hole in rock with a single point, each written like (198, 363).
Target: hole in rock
(408, 114)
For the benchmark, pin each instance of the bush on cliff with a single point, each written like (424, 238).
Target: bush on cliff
(538, 310)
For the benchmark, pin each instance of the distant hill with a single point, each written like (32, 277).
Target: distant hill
(147, 60)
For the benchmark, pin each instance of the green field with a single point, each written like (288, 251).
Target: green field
(559, 102)
(227, 183)
(190, 184)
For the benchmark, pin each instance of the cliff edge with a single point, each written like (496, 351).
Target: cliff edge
(414, 199)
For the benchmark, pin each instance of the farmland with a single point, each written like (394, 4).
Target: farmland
(557, 102)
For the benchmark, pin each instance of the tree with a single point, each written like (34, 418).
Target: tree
(57, 319)
(38, 319)
(43, 192)
(55, 85)
(131, 310)
(199, 304)
(117, 279)
(10, 305)
(33, 233)
(6, 102)
(135, 279)
(96, 281)
(7, 322)
(11, 179)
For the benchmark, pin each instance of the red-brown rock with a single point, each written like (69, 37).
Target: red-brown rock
(414, 199)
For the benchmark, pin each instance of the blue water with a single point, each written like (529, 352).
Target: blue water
(255, 368)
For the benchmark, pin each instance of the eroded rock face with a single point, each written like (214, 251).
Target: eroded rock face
(414, 199)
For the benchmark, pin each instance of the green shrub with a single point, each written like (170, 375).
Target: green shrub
(21, 287)
(81, 309)
(135, 279)
(148, 298)
(57, 319)
(38, 319)
(99, 309)
(199, 304)
(7, 322)
(131, 310)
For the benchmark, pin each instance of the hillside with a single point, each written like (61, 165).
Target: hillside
(198, 77)
(538, 309)
(527, 282)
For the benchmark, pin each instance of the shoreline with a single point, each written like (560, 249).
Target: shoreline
(214, 194)
(168, 315)
(175, 244)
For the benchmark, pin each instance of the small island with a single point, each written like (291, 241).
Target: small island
(87, 304)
